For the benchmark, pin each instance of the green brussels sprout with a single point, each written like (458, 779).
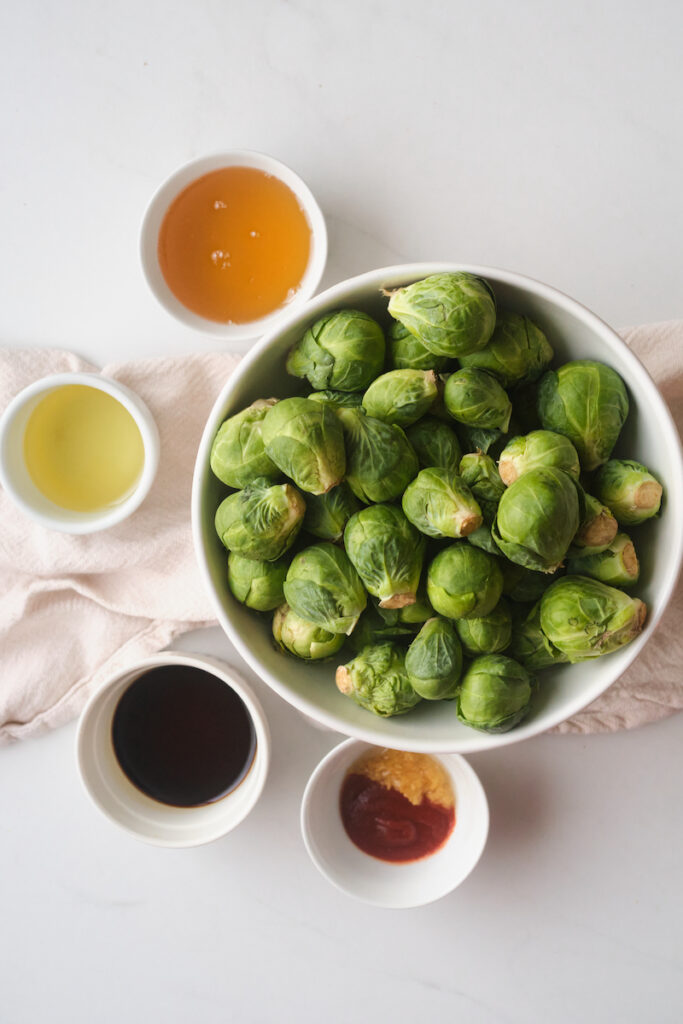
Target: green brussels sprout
(348, 399)
(262, 521)
(629, 489)
(343, 351)
(238, 455)
(587, 402)
(617, 565)
(597, 529)
(296, 636)
(537, 518)
(464, 582)
(452, 314)
(531, 646)
(539, 448)
(518, 350)
(480, 474)
(373, 628)
(323, 587)
(439, 504)
(584, 618)
(525, 585)
(435, 443)
(434, 661)
(406, 352)
(305, 440)
(489, 634)
(256, 584)
(327, 514)
(379, 460)
(387, 552)
(377, 680)
(475, 398)
(401, 396)
(495, 693)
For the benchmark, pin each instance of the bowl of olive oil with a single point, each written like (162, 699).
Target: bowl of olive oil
(78, 451)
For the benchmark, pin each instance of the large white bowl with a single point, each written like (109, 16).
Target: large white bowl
(649, 436)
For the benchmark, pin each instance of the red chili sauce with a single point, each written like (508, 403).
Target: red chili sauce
(381, 819)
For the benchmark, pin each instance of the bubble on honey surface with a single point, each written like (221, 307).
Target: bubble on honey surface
(220, 259)
(254, 234)
(219, 205)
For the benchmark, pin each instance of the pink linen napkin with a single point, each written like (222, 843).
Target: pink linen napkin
(73, 610)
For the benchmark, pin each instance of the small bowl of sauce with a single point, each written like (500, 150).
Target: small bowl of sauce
(175, 749)
(78, 451)
(394, 828)
(231, 242)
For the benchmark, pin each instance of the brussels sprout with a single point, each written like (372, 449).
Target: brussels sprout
(495, 694)
(451, 314)
(539, 448)
(617, 565)
(377, 680)
(418, 613)
(587, 402)
(475, 398)
(401, 396)
(482, 536)
(323, 588)
(406, 352)
(379, 460)
(303, 639)
(238, 455)
(537, 517)
(480, 474)
(517, 351)
(531, 646)
(439, 504)
(489, 634)
(327, 514)
(256, 584)
(434, 661)
(348, 399)
(597, 529)
(260, 522)
(305, 440)
(629, 490)
(464, 582)
(435, 443)
(373, 628)
(343, 350)
(525, 585)
(387, 552)
(584, 618)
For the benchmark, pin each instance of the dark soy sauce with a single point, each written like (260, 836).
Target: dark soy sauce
(183, 736)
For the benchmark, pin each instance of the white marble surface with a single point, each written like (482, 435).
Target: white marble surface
(539, 137)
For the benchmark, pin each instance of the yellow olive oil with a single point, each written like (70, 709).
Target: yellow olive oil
(83, 449)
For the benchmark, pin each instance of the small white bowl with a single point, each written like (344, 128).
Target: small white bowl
(14, 475)
(377, 881)
(119, 800)
(179, 180)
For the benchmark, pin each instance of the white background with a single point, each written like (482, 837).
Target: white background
(542, 138)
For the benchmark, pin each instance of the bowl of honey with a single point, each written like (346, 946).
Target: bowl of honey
(230, 243)
(78, 451)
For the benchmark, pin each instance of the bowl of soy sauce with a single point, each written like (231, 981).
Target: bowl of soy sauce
(174, 749)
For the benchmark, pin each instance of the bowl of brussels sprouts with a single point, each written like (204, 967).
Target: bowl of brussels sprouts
(439, 508)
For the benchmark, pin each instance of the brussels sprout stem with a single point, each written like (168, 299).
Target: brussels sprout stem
(599, 531)
(342, 678)
(397, 601)
(647, 495)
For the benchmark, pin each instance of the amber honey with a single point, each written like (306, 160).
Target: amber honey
(234, 245)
